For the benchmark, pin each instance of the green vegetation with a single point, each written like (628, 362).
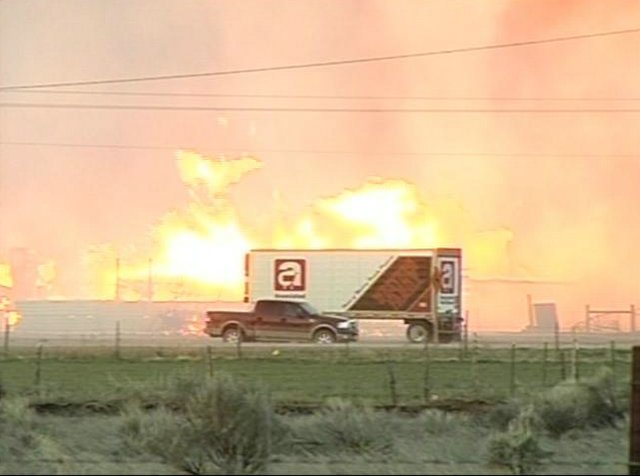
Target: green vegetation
(343, 427)
(582, 404)
(313, 410)
(223, 426)
(342, 438)
(307, 375)
(518, 448)
(24, 447)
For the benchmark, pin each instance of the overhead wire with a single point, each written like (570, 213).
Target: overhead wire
(318, 64)
(141, 107)
(311, 151)
(316, 96)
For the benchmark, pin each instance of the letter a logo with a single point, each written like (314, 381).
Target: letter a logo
(290, 275)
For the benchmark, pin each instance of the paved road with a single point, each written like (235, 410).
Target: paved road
(372, 334)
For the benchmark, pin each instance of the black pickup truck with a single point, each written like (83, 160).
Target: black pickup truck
(281, 320)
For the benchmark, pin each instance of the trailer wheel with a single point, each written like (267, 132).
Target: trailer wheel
(324, 336)
(232, 335)
(418, 333)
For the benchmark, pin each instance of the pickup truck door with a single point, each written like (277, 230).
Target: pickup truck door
(270, 321)
(298, 323)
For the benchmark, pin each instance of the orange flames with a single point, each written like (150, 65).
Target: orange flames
(379, 214)
(6, 278)
(8, 314)
(13, 318)
(198, 252)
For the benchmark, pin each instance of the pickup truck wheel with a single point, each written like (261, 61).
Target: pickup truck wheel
(324, 336)
(231, 335)
(417, 333)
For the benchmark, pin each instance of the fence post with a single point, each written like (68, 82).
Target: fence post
(563, 370)
(612, 356)
(556, 334)
(38, 377)
(426, 387)
(239, 346)
(512, 371)
(545, 352)
(474, 347)
(466, 333)
(473, 364)
(117, 346)
(575, 361)
(209, 361)
(634, 414)
(392, 384)
(7, 332)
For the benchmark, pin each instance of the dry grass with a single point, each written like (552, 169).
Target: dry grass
(221, 425)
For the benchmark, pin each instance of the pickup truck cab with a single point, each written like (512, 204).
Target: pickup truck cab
(280, 320)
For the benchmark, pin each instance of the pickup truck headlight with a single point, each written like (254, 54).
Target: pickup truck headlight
(350, 324)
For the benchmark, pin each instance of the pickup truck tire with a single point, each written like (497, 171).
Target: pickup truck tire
(324, 336)
(232, 334)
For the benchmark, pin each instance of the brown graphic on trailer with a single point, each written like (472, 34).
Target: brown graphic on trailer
(403, 286)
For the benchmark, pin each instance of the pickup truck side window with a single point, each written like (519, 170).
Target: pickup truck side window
(268, 308)
(293, 310)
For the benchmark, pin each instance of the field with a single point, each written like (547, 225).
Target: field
(310, 374)
(442, 405)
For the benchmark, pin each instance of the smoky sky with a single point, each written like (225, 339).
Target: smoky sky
(571, 178)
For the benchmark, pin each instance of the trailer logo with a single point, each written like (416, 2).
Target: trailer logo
(290, 275)
(449, 276)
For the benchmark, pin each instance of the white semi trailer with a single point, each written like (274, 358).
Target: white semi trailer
(399, 284)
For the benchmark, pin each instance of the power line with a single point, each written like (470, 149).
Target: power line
(318, 96)
(312, 151)
(124, 107)
(321, 63)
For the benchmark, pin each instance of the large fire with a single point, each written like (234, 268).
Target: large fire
(198, 252)
(379, 214)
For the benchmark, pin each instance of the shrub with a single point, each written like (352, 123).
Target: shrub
(24, 449)
(518, 448)
(168, 391)
(574, 405)
(501, 415)
(222, 426)
(437, 422)
(343, 426)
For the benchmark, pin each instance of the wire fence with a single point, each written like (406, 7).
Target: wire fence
(407, 376)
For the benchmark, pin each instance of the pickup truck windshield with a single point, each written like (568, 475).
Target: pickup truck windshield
(309, 309)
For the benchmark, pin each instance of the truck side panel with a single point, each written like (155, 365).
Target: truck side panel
(328, 280)
(345, 280)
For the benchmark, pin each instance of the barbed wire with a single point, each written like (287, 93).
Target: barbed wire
(421, 462)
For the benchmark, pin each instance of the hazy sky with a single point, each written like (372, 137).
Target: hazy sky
(553, 178)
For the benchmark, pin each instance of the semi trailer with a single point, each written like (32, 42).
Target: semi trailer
(421, 287)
